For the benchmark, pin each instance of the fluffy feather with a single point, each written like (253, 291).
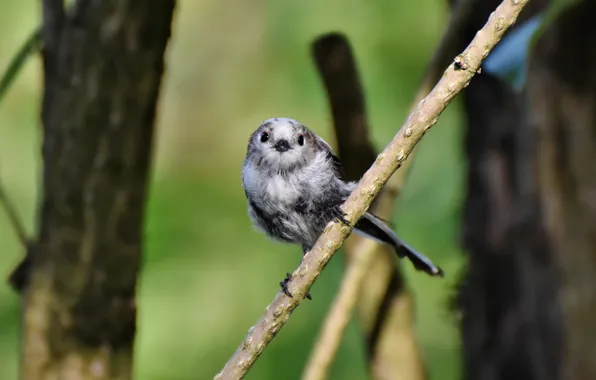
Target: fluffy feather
(294, 192)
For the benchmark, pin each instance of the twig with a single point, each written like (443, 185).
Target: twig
(31, 45)
(382, 284)
(384, 288)
(338, 317)
(13, 217)
(455, 78)
(337, 68)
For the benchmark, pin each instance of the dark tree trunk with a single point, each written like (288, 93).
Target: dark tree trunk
(528, 298)
(510, 323)
(103, 64)
(562, 106)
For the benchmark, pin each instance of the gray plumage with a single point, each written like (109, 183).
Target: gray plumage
(294, 187)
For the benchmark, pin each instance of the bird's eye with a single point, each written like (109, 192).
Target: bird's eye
(264, 137)
(301, 140)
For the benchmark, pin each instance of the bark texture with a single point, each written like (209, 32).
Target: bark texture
(529, 295)
(508, 298)
(103, 64)
(562, 106)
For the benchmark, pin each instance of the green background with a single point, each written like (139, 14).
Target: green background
(207, 274)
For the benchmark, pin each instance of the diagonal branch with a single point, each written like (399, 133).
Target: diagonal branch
(337, 68)
(13, 217)
(371, 280)
(425, 115)
(30, 46)
(15, 66)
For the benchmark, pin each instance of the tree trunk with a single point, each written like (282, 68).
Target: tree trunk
(103, 63)
(510, 325)
(528, 298)
(562, 106)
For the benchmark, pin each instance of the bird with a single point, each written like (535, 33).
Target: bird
(294, 185)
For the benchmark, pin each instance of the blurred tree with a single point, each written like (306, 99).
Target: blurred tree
(529, 294)
(510, 280)
(103, 62)
(561, 94)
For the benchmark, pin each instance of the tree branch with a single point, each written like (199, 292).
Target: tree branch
(30, 46)
(425, 115)
(371, 279)
(13, 217)
(338, 317)
(338, 71)
(384, 287)
(337, 68)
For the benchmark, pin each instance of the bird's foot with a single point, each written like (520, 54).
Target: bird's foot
(340, 216)
(284, 287)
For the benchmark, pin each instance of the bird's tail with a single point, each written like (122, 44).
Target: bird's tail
(374, 228)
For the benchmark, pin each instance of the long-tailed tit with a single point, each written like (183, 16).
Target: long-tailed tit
(294, 186)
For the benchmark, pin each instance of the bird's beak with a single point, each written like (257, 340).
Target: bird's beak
(282, 146)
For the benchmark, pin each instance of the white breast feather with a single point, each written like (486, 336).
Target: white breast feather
(282, 190)
(285, 190)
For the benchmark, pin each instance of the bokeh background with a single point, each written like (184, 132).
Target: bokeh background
(207, 274)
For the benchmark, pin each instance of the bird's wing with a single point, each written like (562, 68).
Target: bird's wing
(375, 228)
(337, 165)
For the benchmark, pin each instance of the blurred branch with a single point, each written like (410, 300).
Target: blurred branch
(31, 45)
(13, 217)
(338, 71)
(322, 355)
(384, 286)
(384, 300)
(423, 117)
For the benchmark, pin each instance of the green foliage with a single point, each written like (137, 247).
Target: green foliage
(207, 275)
